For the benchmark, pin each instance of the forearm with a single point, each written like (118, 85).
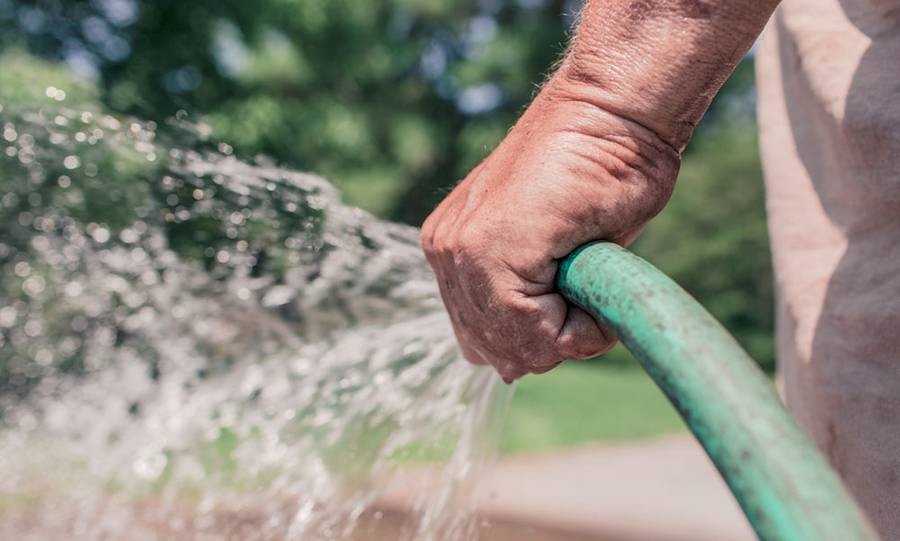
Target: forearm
(595, 156)
(658, 63)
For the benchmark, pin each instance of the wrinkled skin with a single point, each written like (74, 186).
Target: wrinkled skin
(594, 157)
(569, 172)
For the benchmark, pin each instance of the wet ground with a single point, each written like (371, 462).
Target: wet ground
(660, 490)
(247, 524)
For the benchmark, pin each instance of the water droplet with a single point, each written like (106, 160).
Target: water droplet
(33, 286)
(129, 236)
(22, 269)
(33, 328)
(150, 466)
(8, 316)
(60, 95)
(73, 289)
(71, 162)
(278, 296)
(79, 324)
(100, 234)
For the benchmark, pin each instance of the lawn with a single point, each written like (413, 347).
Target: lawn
(579, 402)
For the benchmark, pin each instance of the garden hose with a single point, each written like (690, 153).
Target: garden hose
(784, 485)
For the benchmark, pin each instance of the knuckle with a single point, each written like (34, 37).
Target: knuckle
(542, 369)
(472, 355)
(473, 266)
(655, 196)
(567, 344)
(429, 240)
(508, 371)
(459, 255)
(589, 349)
(445, 244)
(426, 239)
(472, 238)
(531, 314)
(608, 344)
(470, 234)
(538, 359)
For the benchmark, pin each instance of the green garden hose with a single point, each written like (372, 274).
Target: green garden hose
(784, 485)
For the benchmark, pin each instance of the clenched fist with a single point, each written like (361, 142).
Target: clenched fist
(569, 172)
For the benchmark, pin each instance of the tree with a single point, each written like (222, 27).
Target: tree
(393, 99)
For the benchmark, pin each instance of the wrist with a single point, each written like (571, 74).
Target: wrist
(659, 66)
(669, 118)
(575, 109)
(631, 168)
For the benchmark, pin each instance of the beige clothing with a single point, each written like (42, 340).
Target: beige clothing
(829, 110)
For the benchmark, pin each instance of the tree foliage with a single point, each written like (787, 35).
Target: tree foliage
(395, 100)
(712, 236)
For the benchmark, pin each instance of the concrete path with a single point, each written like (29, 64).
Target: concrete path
(658, 490)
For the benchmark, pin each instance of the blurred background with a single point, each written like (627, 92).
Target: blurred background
(393, 101)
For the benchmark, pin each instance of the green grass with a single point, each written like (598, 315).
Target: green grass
(583, 402)
(602, 400)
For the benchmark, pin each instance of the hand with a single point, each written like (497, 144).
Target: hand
(569, 172)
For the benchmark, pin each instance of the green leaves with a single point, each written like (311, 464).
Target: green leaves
(712, 237)
(361, 91)
(369, 94)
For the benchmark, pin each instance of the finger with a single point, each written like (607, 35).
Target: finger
(541, 319)
(509, 371)
(581, 337)
(467, 347)
(470, 352)
(545, 368)
(429, 230)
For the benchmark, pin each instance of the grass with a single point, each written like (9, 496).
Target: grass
(583, 402)
(602, 400)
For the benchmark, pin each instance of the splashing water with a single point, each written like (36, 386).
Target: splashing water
(192, 346)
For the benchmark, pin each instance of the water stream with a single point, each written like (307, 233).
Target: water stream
(195, 346)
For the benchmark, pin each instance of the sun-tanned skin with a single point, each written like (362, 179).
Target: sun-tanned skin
(594, 157)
